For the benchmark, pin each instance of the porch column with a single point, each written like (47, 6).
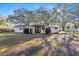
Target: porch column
(42, 31)
(33, 30)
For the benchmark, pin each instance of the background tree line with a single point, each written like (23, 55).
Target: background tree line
(62, 14)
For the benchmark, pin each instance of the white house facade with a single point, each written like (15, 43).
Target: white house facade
(37, 28)
(55, 28)
(19, 28)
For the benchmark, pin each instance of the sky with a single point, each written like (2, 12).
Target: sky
(8, 8)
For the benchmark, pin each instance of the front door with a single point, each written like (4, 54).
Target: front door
(37, 29)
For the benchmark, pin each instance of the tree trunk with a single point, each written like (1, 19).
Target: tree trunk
(63, 28)
(75, 26)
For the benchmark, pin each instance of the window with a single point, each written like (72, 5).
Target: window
(55, 28)
(20, 28)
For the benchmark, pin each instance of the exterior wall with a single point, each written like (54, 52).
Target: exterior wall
(42, 31)
(54, 26)
(53, 30)
(75, 30)
(18, 29)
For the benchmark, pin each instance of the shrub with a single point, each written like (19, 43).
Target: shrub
(47, 31)
(26, 31)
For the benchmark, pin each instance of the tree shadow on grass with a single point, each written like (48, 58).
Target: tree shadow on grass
(27, 52)
(61, 49)
(15, 39)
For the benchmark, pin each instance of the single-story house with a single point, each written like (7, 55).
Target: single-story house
(37, 28)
